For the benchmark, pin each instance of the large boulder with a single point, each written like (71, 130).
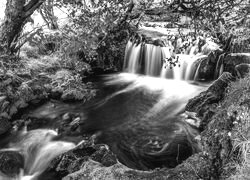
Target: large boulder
(209, 98)
(207, 66)
(74, 159)
(209, 47)
(5, 126)
(204, 69)
(196, 167)
(231, 60)
(11, 162)
(89, 161)
(242, 70)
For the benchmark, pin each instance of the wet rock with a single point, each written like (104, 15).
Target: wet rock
(214, 55)
(4, 106)
(196, 167)
(96, 71)
(191, 118)
(75, 123)
(66, 117)
(205, 69)
(11, 162)
(231, 60)
(209, 98)
(207, 66)
(158, 42)
(13, 110)
(75, 159)
(69, 123)
(5, 125)
(95, 170)
(2, 99)
(242, 70)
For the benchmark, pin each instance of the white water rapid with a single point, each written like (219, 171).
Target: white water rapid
(151, 60)
(139, 109)
(171, 91)
(38, 149)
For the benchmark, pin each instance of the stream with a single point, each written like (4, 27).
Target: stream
(138, 116)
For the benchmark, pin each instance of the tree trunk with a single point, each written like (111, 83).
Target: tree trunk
(16, 14)
(47, 13)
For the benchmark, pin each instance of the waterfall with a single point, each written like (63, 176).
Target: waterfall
(38, 149)
(134, 58)
(187, 68)
(127, 53)
(150, 60)
(144, 110)
(153, 60)
(193, 50)
(219, 66)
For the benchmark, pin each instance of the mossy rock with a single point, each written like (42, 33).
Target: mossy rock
(11, 162)
(5, 125)
(231, 60)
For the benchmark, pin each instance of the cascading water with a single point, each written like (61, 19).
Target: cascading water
(133, 56)
(150, 108)
(139, 121)
(153, 68)
(38, 150)
(186, 68)
(151, 60)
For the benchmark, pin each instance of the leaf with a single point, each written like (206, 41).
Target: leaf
(13, 110)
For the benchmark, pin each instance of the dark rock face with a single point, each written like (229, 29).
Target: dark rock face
(158, 42)
(88, 161)
(242, 70)
(209, 98)
(204, 69)
(222, 137)
(231, 60)
(11, 162)
(196, 167)
(207, 66)
(75, 159)
(4, 126)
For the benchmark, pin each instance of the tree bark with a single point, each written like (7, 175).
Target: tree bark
(16, 14)
(47, 13)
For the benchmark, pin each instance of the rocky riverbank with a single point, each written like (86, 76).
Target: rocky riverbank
(222, 111)
(27, 82)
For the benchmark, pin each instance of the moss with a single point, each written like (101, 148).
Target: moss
(226, 136)
(29, 81)
(238, 106)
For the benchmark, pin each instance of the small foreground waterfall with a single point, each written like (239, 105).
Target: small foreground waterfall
(38, 150)
(152, 60)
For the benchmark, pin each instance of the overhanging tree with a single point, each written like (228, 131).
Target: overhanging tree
(47, 13)
(17, 13)
(225, 20)
(97, 28)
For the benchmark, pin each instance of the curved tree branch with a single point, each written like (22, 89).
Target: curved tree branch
(32, 6)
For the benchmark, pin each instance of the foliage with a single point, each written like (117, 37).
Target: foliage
(47, 42)
(226, 137)
(227, 21)
(172, 62)
(47, 12)
(17, 14)
(240, 133)
(71, 86)
(32, 80)
(94, 31)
